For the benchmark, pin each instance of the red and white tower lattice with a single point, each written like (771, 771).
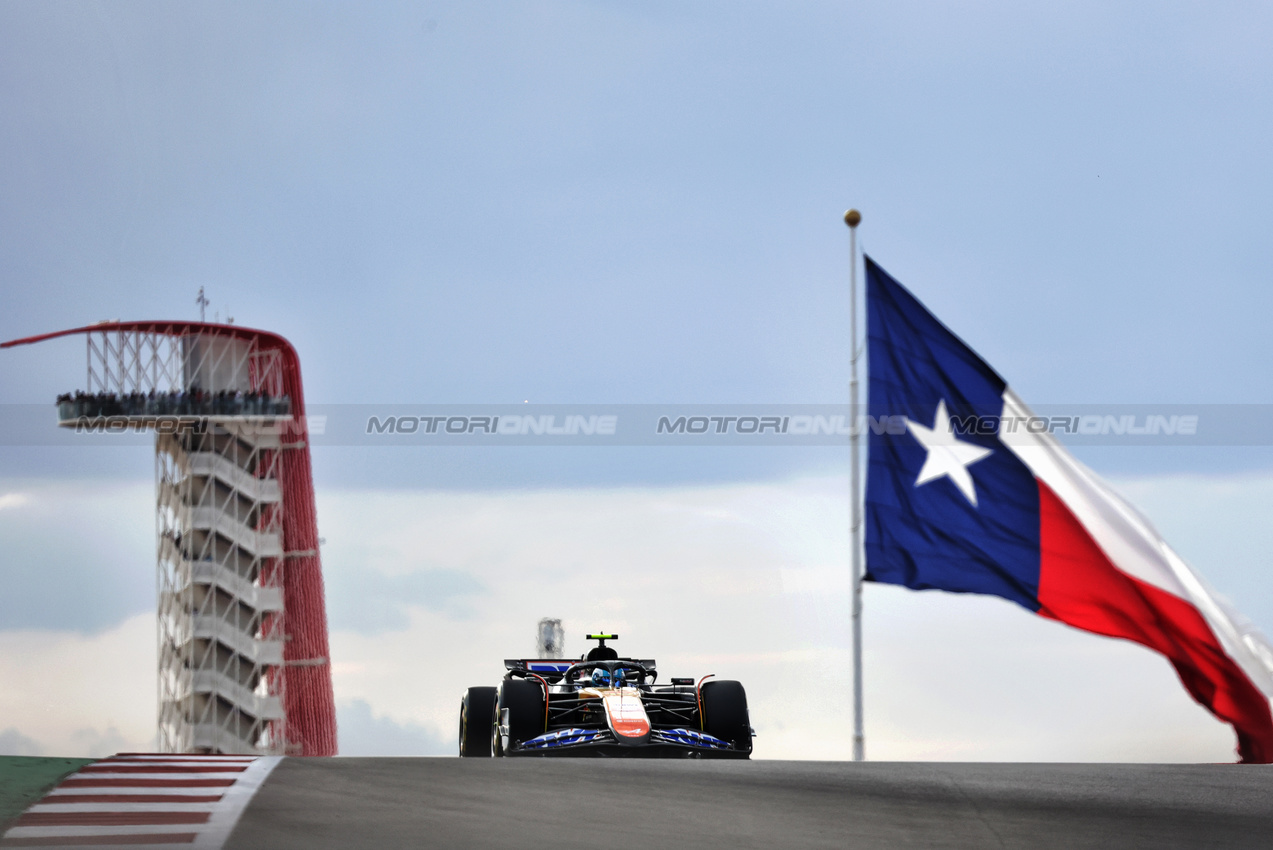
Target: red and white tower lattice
(244, 664)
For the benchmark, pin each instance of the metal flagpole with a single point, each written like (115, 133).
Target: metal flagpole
(852, 218)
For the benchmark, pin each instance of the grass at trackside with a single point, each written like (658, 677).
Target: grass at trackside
(25, 779)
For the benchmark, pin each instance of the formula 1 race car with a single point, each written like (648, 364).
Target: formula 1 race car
(603, 705)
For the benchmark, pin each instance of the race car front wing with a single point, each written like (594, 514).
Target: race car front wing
(691, 742)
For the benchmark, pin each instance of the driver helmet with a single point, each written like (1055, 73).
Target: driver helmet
(600, 678)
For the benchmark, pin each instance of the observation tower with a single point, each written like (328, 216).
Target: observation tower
(244, 665)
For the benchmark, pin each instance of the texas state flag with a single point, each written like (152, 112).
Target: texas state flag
(1005, 510)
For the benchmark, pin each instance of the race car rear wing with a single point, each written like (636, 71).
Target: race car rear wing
(552, 669)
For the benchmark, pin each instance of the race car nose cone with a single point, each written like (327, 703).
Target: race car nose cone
(626, 716)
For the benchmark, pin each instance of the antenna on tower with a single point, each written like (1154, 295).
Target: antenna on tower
(203, 303)
(550, 638)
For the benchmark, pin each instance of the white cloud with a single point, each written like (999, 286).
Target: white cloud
(81, 695)
(14, 743)
(97, 743)
(13, 500)
(363, 733)
(76, 554)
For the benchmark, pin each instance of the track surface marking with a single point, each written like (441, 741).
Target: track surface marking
(143, 800)
(578, 803)
(565, 804)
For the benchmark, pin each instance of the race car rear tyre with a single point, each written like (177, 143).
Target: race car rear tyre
(525, 703)
(477, 711)
(725, 713)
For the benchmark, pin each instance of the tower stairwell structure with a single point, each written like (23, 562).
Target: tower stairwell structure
(243, 650)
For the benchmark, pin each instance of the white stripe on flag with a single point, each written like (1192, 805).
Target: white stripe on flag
(1130, 540)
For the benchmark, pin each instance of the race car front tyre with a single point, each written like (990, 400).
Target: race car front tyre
(524, 701)
(477, 711)
(725, 713)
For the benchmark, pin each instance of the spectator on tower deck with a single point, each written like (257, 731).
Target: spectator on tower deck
(193, 402)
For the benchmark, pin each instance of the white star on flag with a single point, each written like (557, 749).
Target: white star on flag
(948, 456)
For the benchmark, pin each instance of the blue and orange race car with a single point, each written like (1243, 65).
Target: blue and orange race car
(603, 705)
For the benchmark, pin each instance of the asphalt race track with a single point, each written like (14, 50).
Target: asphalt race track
(576, 803)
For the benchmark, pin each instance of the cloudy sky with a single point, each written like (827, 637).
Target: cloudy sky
(617, 203)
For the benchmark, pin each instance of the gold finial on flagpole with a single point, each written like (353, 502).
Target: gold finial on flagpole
(853, 218)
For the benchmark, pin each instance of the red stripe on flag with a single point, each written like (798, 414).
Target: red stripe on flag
(1081, 587)
(104, 840)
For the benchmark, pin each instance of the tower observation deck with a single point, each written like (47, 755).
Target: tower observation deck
(243, 651)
